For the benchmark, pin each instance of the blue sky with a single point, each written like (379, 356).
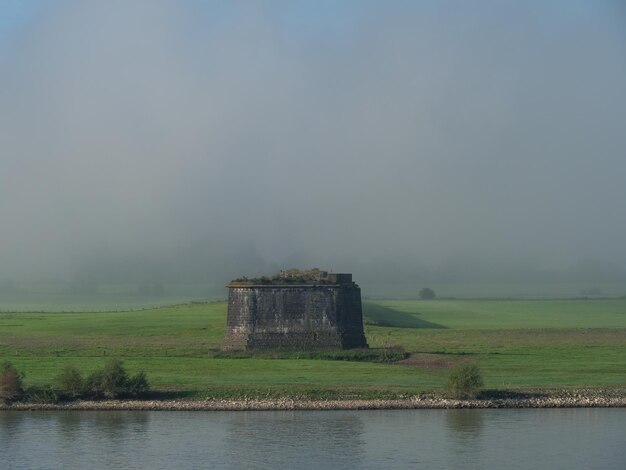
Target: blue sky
(315, 18)
(16, 13)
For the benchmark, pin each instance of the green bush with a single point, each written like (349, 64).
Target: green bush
(11, 384)
(108, 382)
(137, 384)
(464, 382)
(70, 382)
(93, 385)
(113, 381)
(43, 394)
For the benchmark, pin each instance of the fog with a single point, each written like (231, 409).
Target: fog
(429, 142)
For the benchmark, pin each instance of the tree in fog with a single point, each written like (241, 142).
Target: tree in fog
(427, 293)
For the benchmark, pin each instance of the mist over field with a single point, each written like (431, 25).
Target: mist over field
(411, 143)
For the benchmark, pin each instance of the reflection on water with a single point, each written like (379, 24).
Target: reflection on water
(113, 426)
(286, 439)
(567, 438)
(98, 439)
(464, 423)
(464, 437)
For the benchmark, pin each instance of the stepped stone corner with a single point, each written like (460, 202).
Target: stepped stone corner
(295, 309)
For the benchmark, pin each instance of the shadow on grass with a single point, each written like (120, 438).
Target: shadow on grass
(169, 395)
(494, 394)
(384, 316)
(467, 353)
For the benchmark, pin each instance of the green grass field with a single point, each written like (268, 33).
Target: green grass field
(519, 344)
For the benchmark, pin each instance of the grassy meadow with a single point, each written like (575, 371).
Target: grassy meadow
(518, 344)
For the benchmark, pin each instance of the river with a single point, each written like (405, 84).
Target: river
(581, 438)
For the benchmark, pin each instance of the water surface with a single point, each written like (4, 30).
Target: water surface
(544, 438)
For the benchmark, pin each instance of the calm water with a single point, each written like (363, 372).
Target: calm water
(568, 439)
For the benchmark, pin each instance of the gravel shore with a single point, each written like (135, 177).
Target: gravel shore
(568, 400)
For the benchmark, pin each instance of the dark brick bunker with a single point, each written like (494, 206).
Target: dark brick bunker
(295, 309)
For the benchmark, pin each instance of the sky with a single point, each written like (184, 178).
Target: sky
(190, 139)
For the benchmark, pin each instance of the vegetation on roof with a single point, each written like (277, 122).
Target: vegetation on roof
(277, 279)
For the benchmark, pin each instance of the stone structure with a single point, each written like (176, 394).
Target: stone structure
(295, 309)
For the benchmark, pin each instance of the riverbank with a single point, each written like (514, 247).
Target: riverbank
(569, 399)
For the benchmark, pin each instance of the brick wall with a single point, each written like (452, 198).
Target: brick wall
(295, 317)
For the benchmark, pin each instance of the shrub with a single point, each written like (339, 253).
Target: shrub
(11, 385)
(113, 381)
(93, 385)
(70, 382)
(464, 382)
(137, 385)
(44, 394)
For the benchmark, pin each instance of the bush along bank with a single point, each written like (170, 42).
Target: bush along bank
(11, 385)
(464, 382)
(111, 387)
(110, 382)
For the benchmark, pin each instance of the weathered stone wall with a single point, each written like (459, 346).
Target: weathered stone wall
(302, 317)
